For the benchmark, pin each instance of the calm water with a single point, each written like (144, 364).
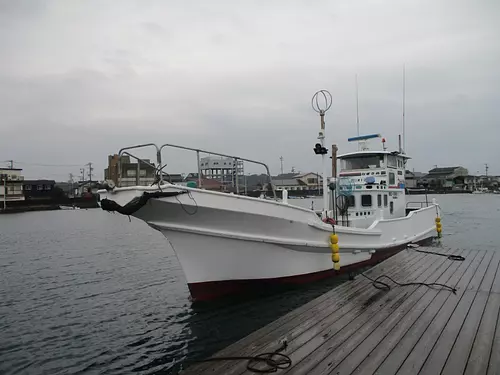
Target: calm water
(90, 292)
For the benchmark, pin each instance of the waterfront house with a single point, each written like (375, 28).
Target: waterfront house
(38, 189)
(132, 173)
(11, 184)
(445, 178)
(412, 178)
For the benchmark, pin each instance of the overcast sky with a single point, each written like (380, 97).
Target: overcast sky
(80, 79)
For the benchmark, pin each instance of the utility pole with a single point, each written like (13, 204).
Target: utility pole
(72, 190)
(486, 168)
(11, 164)
(82, 171)
(90, 171)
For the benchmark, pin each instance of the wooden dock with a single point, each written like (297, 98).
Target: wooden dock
(358, 329)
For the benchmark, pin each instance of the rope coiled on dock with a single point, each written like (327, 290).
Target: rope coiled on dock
(274, 361)
(384, 286)
(450, 257)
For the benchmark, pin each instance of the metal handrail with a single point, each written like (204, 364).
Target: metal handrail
(236, 158)
(160, 166)
(417, 203)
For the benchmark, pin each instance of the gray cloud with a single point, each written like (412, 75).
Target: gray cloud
(80, 79)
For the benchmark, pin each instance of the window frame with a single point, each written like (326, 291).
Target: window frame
(366, 204)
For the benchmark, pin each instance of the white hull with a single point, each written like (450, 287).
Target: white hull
(223, 238)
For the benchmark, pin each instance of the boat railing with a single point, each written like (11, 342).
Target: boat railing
(416, 205)
(160, 166)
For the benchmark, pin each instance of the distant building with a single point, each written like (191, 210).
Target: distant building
(412, 178)
(481, 182)
(447, 178)
(298, 181)
(38, 189)
(70, 188)
(224, 170)
(11, 184)
(132, 173)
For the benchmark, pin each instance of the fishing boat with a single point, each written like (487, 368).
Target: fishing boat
(227, 242)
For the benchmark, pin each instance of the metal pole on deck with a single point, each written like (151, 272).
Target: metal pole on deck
(236, 176)
(199, 168)
(321, 102)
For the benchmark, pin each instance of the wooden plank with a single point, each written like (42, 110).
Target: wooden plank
(274, 331)
(431, 335)
(309, 355)
(494, 365)
(392, 340)
(439, 354)
(306, 325)
(482, 348)
(388, 316)
(376, 346)
(404, 347)
(459, 355)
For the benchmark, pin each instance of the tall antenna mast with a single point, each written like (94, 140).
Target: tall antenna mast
(404, 94)
(357, 106)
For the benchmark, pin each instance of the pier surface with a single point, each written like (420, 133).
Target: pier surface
(358, 329)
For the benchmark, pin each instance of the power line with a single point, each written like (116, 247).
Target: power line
(45, 165)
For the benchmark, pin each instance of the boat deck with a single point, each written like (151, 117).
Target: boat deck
(358, 329)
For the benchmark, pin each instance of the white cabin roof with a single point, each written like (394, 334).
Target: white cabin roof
(372, 152)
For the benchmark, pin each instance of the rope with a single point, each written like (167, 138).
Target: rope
(274, 360)
(450, 257)
(195, 204)
(384, 286)
(135, 204)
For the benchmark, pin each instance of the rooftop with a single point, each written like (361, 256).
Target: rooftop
(35, 182)
(11, 169)
(286, 182)
(444, 170)
(371, 153)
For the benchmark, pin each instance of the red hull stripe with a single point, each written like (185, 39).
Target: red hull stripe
(209, 290)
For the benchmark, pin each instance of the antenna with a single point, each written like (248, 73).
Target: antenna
(404, 99)
(357, 106)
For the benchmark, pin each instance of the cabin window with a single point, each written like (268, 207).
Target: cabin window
(351, 202)
(379, 200)
(131, 172)
(366, 200)
(391, 161)
(362, 162)
(392, 179)
(400, 172)
(385, 200)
